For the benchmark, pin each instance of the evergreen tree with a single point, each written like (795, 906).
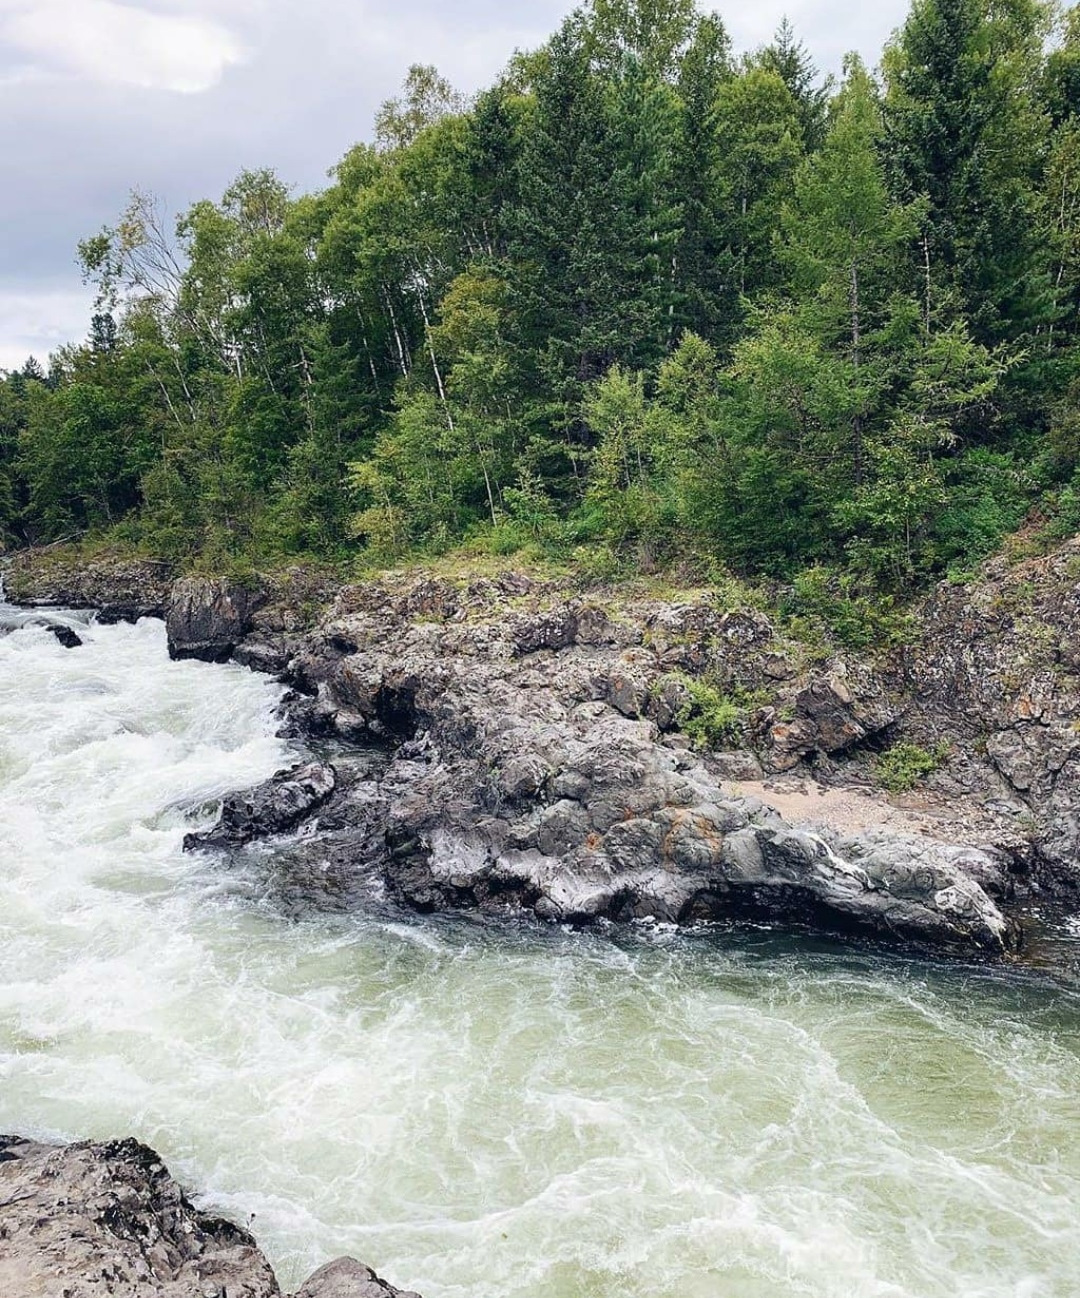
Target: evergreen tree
(789, 58)
(705, 268)
(966, 130)
(594, 231)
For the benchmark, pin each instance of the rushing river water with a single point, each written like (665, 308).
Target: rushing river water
(485, 1113)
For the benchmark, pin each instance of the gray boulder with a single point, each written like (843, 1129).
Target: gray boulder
(347, 1278)
(207, 618)
(90, 1220)
(100, 1220)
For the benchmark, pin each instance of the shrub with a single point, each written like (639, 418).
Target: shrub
(904, 766)
(709, 717)
(821, 598)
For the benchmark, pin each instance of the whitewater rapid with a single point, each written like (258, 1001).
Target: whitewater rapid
(485, 1112)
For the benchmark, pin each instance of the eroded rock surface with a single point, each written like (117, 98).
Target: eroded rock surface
(91, 1220)
(273, 807)
(535, 765)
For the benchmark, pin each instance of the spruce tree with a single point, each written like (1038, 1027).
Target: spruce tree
(965, 130)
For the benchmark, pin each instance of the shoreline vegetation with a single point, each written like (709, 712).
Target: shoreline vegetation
(644, 305)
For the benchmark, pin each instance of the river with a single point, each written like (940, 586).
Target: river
(495, 1112)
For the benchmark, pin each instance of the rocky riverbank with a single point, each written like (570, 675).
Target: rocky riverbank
(90, 1220)
(536, 747)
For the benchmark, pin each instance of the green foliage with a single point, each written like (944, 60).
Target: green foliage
(642, 302)
(904, 766)
(823, 602)
(988, 496)
(710, 718)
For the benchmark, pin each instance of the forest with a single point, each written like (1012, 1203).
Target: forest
(646, 298)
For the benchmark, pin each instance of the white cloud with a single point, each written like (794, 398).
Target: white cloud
(35, 322)
(101, 40)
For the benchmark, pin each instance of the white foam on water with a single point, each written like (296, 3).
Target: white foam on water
(497, 1116)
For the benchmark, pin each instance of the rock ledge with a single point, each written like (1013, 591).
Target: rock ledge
(91, 1220)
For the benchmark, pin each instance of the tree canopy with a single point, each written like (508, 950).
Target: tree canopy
(643, 296)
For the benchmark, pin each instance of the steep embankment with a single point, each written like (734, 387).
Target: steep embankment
(537, 754)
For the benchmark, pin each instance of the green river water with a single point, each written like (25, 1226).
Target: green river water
(486, 1112)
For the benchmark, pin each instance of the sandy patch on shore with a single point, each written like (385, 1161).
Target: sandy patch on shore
(844, 810)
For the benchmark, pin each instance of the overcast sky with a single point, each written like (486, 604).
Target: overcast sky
(176, 96)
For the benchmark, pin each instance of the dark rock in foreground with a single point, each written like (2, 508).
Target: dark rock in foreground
(90, 1220)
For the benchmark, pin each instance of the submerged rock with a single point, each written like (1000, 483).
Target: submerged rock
(90, 1220)
(274, 807)
(68, 637)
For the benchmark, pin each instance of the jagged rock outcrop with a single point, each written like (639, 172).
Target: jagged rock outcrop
(996, 670)
(92, 1220)
(272, 808)
(207, 618)
(529, 769)
(347, 1278)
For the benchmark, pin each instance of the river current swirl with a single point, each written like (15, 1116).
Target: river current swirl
(485, 1112)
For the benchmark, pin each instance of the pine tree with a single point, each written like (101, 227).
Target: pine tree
(789, 58)
(594, 230)
(964, 128)
(705, 272)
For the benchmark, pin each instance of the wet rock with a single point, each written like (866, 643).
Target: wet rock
(207, 618)
(100, 1220)
(271, 808)
(347, 1278)
(270, 655)
(67, 636)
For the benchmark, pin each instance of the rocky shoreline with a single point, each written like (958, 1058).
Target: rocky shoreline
(89, 1220)
(516, 746)
(533, 755)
